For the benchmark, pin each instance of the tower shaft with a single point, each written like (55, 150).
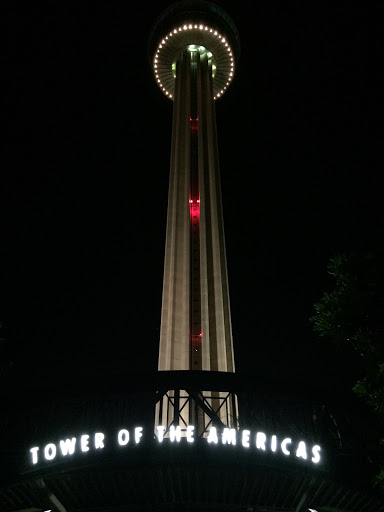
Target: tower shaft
(195, 320)
(194, 44)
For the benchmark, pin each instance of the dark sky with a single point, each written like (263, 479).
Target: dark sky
(85, 179)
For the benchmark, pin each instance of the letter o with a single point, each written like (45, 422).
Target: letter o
(123, 437)
(50, 451)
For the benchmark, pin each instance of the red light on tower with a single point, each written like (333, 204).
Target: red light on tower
(194, 123)
(194, 210)
(197, 338)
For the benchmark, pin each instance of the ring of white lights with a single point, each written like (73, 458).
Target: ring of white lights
(178, 40)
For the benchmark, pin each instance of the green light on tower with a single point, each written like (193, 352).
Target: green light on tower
(203, 53)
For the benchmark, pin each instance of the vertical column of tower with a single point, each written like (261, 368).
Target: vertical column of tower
(216, 320)
(174, 352)
(196, 415)
(195, 329)
(217, 331)
(195, 324)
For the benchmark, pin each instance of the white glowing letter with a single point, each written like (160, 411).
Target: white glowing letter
(175, 433)
(301, 450)
(50, 451)
(84, 440)
(99, 440)
(273, 443)
(316, 454)
(212, 436)
(190, 430)
(67, 447)
(284, 443)
(245, 438)
(34, 454)
(260, 440)
(229, 436)
(123, 437)
(138, 434)
(160, 433)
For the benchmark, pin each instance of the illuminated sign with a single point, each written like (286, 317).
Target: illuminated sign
(257, 441)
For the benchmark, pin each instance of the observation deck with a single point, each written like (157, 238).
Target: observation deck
(195, 26)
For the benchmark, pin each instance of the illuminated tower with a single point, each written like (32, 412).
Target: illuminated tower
(194, 48)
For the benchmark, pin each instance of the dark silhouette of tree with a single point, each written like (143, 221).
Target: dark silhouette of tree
(352, 316)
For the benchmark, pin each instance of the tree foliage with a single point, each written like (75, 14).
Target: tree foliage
(352, 316)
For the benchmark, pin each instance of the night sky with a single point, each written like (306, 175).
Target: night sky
(84, 183)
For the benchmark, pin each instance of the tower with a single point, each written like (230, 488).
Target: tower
(194, 47)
